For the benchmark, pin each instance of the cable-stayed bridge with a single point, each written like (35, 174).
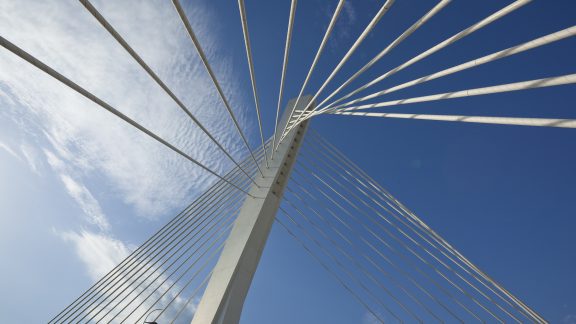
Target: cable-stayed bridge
(200, 265)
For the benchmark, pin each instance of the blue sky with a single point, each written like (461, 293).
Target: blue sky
(79, 189)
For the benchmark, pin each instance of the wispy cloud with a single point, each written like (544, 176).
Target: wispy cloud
(569, 319)
(92, 211)
(345, 22)
(86, 201)
(9, 150)
(31, 155)
(142, 173)
(87, 147)
(25, 153)
(99, 252)
(370, 318)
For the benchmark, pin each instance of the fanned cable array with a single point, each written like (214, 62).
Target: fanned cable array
(16, 50)
(388, 259)
(164, 278)
(353, 107)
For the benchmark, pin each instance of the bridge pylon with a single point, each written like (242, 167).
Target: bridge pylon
(226, 291)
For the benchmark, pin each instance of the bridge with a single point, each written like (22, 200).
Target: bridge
(199, 266)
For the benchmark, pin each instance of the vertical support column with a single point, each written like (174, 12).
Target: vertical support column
(224, 296)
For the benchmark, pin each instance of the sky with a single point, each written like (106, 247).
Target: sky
(79, 189)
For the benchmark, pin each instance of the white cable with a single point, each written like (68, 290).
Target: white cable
(383, 10)
(154, 76)
(551, 38)
(204, 59)
(410, 216)
(486, 21)
(390, 47)
(72, 85)
(545, 122)
(325, 266)
(244, 19)
(524, 85)
(319, 52)
(284, 67)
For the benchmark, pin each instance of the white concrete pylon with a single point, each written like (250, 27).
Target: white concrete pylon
(224, 296)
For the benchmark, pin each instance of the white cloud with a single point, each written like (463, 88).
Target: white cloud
(350, 13)
(369, 318)
(25, 153)
(9, 150)
(569, 319)
(341, 33)
(86, 146)
(31, 156)
(86, 201)
(99, 252)
(54, 161)
(91, 141)
(79, 193)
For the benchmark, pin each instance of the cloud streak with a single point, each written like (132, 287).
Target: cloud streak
(142, 173)
(90, 151)
(9, 150)
(99, 252)
(342, 28)
(86, 201)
